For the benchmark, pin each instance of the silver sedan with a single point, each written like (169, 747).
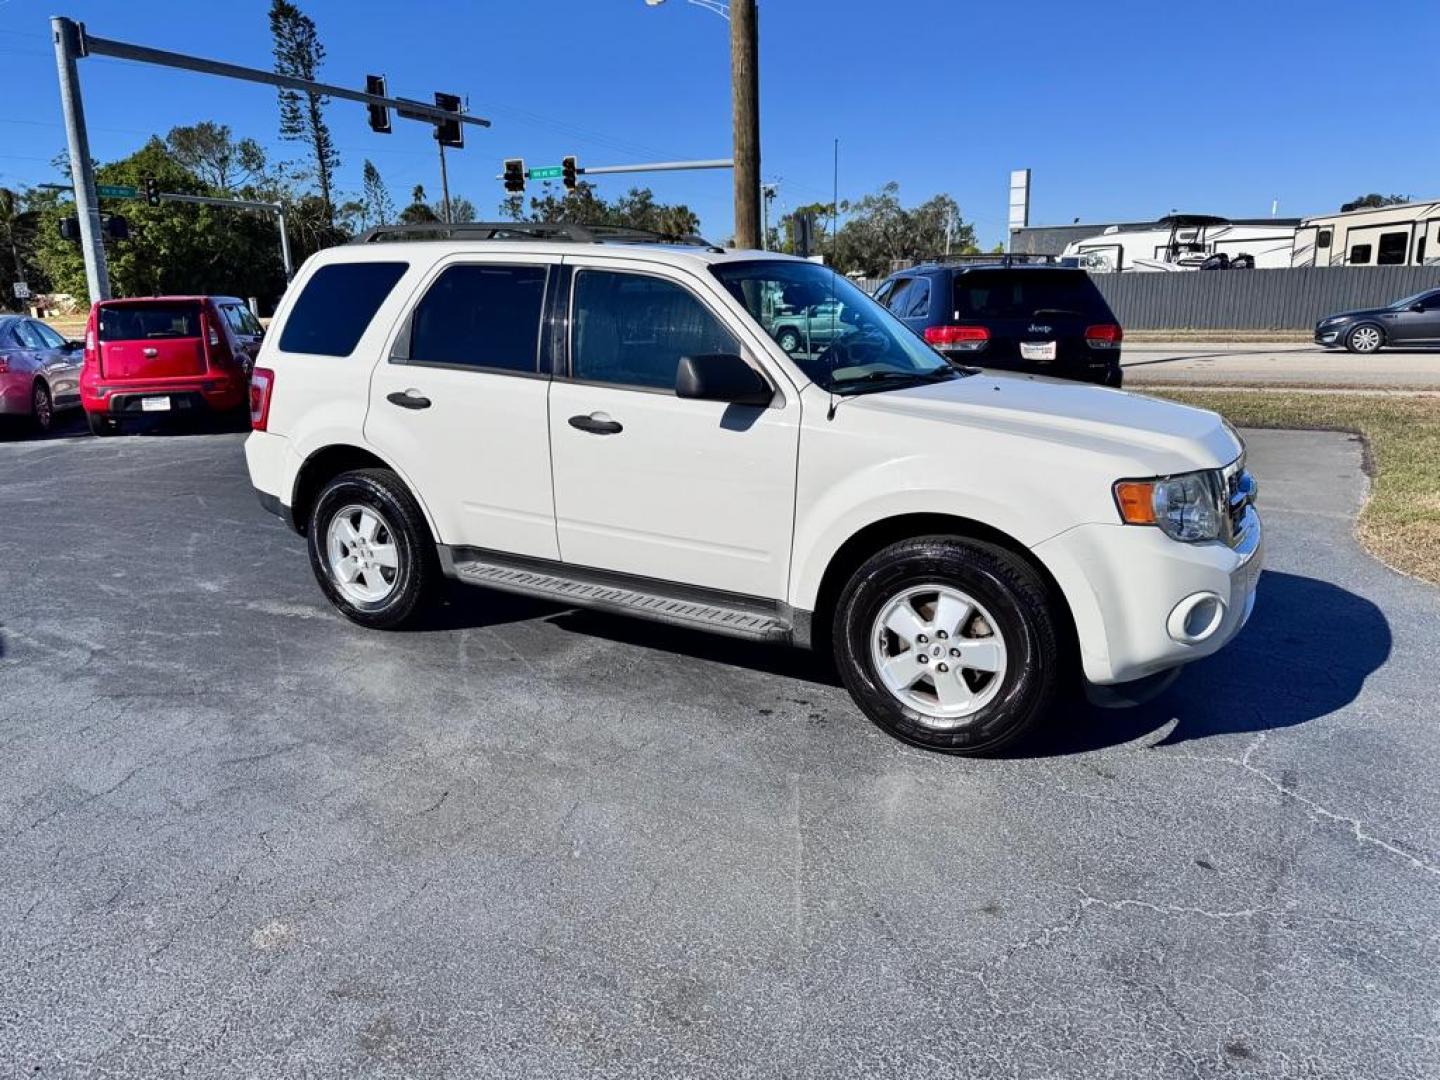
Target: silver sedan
(39, 371)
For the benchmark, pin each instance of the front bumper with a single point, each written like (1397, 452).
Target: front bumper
(1144, 603)
(1329, 335)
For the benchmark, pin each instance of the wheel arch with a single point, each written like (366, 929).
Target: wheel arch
(328, 462)
(880, 534)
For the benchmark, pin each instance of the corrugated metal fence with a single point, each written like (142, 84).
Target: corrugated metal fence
(1255, 299)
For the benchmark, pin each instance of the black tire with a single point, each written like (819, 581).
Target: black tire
(416, 574)
(42, 408)
(1015, 598)
(101, 425)
(789, 340)
(1115, 377)
(1368, 342)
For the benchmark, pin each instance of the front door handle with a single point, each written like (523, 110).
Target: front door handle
(597, 424)
(408, 399)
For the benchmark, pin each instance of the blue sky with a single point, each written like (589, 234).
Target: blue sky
(1124, 110)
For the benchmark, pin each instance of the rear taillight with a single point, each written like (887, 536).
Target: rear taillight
(4, 365)
(262, 385)
(214, 338)
(1104, 336)
(957, 338)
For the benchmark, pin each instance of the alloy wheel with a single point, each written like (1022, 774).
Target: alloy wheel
(44, 409)
(938, 651)
(1365, 339)
(363, 559)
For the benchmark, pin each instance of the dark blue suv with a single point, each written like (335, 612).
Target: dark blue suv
(1040, 319)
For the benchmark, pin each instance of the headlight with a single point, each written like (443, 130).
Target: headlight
(1189, 507)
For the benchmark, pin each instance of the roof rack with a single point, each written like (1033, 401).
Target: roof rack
(1017, 258)
(563, 231)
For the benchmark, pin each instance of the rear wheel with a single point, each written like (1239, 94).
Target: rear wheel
(949, 644)
(42, 408)
(371, 549)
(101, 425)
(1364, 339)
(789, 340)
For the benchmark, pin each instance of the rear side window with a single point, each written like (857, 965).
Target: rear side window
(917, 306)
(1023, 294)
(240, 319)
(333, 312)
(480, 317)
(149, 322)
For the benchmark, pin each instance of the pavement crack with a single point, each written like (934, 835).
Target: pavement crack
(1317, 811)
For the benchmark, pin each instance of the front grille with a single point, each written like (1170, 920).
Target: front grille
(1239, 494)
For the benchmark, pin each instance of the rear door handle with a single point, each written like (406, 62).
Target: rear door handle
(408, 399)
(597, 424)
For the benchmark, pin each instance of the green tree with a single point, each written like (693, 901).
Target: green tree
(881, 232)
(378, 206)
(636, 209)
(18, 217)
(298, 53)
(222, 163)
(1373, 201)
(173, 247)
(418, 212)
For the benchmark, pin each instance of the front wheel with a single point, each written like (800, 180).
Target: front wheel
(371, 549)
(1364, 339)
(949, 644)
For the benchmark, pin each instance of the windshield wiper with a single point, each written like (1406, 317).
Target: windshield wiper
(874, 380)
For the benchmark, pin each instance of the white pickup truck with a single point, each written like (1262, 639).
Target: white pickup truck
(607, 420)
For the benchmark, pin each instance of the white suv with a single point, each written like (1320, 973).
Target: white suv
(550, 411)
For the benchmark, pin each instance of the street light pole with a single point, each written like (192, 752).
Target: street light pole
(745, 95)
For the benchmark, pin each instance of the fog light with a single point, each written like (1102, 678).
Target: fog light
(1196, 618)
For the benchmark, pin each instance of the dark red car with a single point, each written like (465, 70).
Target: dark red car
(160, 356)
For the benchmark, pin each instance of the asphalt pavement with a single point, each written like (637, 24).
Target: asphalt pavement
(244, 838)
(1277, 364)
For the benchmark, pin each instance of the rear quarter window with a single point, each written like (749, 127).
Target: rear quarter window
(335, 308)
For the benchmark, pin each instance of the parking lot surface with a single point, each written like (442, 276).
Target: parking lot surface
(242, 837)
(1280, 364)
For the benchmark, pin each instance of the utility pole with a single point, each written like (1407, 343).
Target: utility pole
(444, 184)
(87, 204)
(745, 95)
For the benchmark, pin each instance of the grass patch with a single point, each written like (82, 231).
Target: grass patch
(1400, 523)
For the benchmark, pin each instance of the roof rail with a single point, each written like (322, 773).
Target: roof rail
(562, 231)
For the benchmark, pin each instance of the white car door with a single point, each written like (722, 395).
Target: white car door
(459, 404)
(650, 484)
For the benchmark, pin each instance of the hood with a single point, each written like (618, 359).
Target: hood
(1363, 313)
(1156, 437)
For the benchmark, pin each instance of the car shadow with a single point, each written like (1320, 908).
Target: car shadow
(1306, 652)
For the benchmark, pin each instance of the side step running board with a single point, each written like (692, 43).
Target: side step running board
(659, 601)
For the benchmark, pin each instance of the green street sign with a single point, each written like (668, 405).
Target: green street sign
(549, 172)
(116, 191)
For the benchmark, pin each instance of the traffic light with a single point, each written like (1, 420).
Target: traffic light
(70, 228)
(514, 174)
(570, 172)
(802, 230)
(379, 114)
(152, 191)
(449, 132)
(117, 228)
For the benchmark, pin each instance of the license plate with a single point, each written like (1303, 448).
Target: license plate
(1037, 350)
(155, 404)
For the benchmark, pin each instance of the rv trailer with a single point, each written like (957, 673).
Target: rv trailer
(1407, 234)
(1189, 242)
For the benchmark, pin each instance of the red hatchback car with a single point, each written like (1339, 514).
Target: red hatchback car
(160, 356)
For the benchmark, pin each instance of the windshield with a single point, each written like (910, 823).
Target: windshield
(1401, 305)
(840, 338)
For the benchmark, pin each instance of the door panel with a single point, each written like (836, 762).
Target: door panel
(692, 491)
(473, 439)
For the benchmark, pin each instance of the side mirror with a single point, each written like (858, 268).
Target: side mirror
(1417, 306)
(721, 377)
(72, 345)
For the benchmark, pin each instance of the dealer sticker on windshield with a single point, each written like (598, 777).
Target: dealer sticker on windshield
(1037, 350)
